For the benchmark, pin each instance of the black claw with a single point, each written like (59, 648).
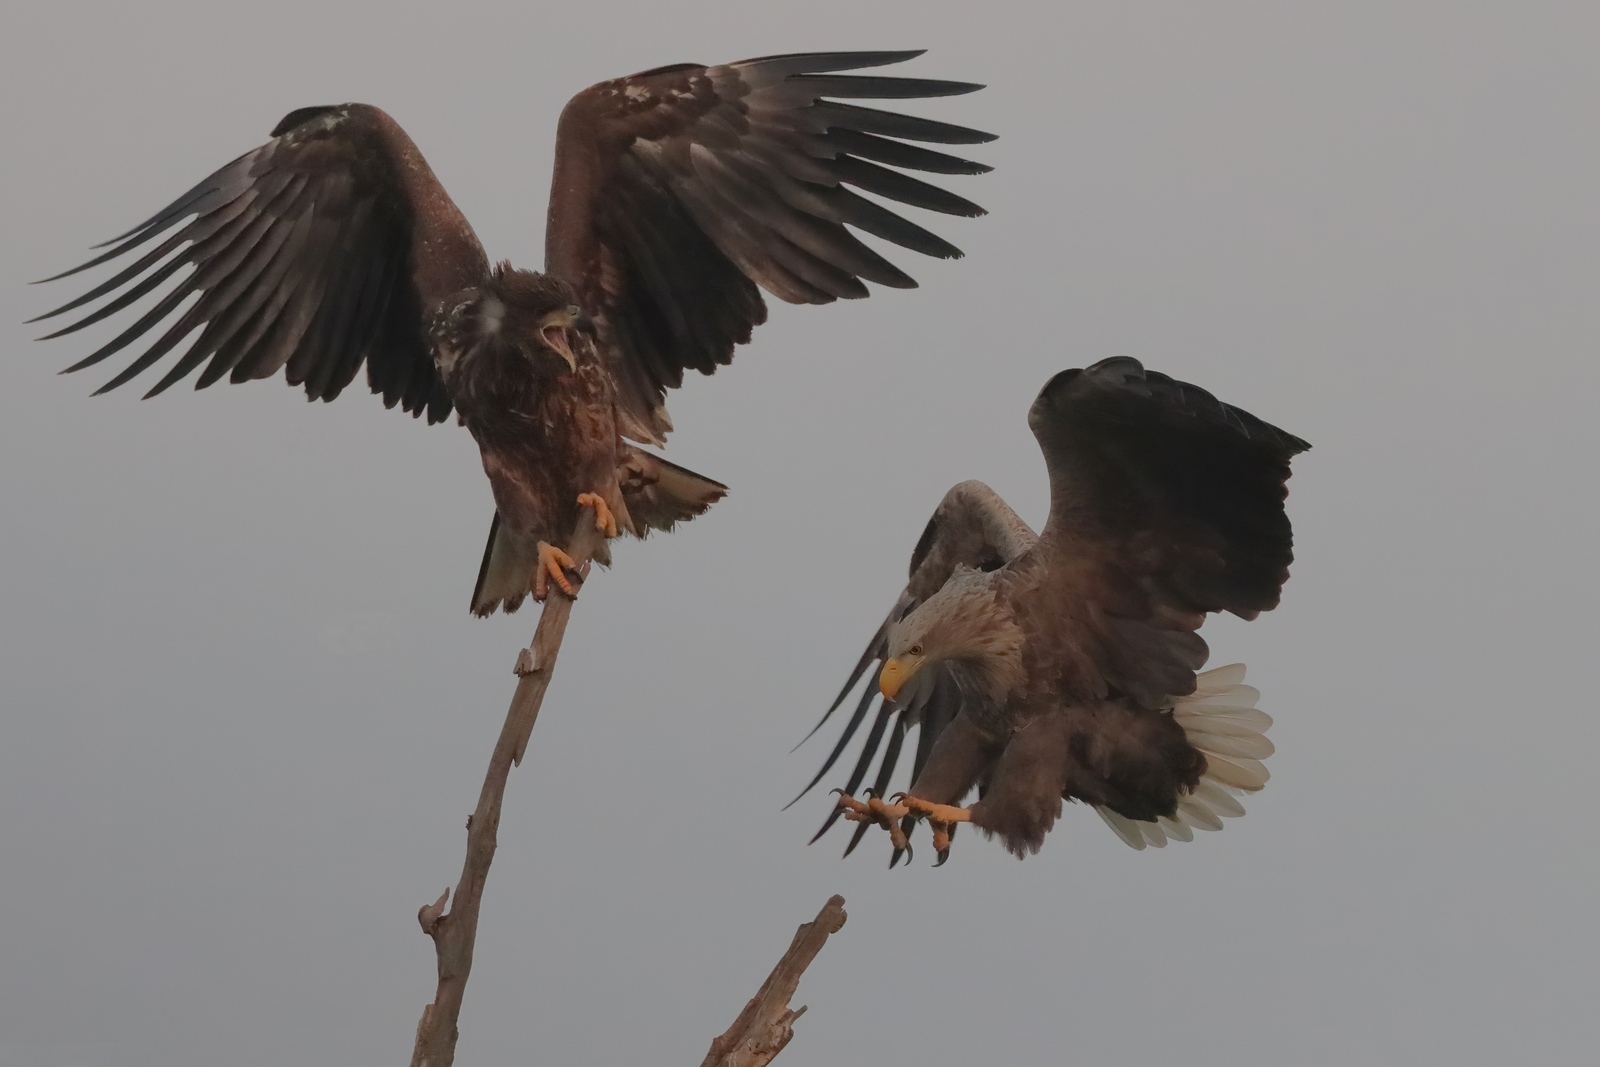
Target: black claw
(944, 854)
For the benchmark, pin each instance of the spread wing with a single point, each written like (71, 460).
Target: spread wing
(678, 191)
(972, 527)
(316, 252)
(1166, 504)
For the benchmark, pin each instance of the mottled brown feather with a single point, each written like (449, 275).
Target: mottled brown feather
(680, 192)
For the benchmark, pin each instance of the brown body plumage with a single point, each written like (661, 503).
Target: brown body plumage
(678, 194)
(523, 407)
(1062, 665)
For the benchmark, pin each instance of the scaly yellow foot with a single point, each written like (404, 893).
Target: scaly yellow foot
(874, 809)
(553, 563)
(604, 521)
(941, 819)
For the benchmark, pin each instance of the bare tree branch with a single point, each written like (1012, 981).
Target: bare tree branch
(455, 931)
(766, 1025)
(761, 1030)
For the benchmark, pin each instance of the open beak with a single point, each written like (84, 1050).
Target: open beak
(555, 335)
(895, 675)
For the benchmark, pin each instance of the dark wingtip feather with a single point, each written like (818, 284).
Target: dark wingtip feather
(87, 361)
(844, 740)
(95, 262)
(72, 327)
(880, 87)
(827, 824)
(895, 124)
(161, 220)
(871, 654)
(820, 61)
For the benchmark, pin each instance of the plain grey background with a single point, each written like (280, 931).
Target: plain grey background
(246, 712)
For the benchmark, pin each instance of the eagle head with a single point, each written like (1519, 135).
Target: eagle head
(963, 625)
(516, 315)
(539, 314)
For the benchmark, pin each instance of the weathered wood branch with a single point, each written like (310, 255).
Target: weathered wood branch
(454, 932)
(766, 1025)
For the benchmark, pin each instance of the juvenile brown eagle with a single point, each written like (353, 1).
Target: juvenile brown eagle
(1061, 665)
(677, 193)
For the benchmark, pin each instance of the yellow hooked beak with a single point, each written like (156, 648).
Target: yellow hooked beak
(896, 673)
(553, 331)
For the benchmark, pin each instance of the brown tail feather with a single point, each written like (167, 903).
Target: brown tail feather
(658, 495)
(505, 574)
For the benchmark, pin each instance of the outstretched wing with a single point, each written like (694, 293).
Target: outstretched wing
(972, 527)
(680, 190)
(316, 252)
(1166, 504)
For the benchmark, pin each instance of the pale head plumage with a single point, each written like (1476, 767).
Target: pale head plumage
(964, 625)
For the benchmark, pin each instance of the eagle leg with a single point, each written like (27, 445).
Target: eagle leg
(942, 819)
(874, 809)
(553, 563)
(604, 521)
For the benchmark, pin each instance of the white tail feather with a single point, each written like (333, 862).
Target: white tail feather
(1176, 830)
(1125, 828)
(1220, 718)
(1217, 680)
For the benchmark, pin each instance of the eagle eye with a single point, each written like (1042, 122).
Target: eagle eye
(915, 650)
(574, 310)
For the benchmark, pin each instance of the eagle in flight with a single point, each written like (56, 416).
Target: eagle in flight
(1062, 665)
(678, 195)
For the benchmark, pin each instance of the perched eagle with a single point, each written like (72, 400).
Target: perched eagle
(1061, 665)
(678, 194)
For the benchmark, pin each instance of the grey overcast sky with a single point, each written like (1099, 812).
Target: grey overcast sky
(246, 712)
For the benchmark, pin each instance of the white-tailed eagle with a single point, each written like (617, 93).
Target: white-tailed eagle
(678, 194)
(1037, 668)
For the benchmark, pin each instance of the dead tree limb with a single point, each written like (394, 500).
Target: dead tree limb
(454, 932)
(766, 1025)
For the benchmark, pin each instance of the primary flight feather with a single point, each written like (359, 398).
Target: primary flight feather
(678, 195)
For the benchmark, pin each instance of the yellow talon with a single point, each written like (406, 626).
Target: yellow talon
(553, 563)
(877, 810)
(934, 813)
(942, 819)
(604, 521)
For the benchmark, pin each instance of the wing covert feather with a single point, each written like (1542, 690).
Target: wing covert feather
(679, 193)
(1166, 505)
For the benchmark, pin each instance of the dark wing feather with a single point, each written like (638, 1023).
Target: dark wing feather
(1166, 504)
(972, 527)
(680, 192)
(318, 252)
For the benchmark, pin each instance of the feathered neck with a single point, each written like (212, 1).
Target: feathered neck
(966, 625)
